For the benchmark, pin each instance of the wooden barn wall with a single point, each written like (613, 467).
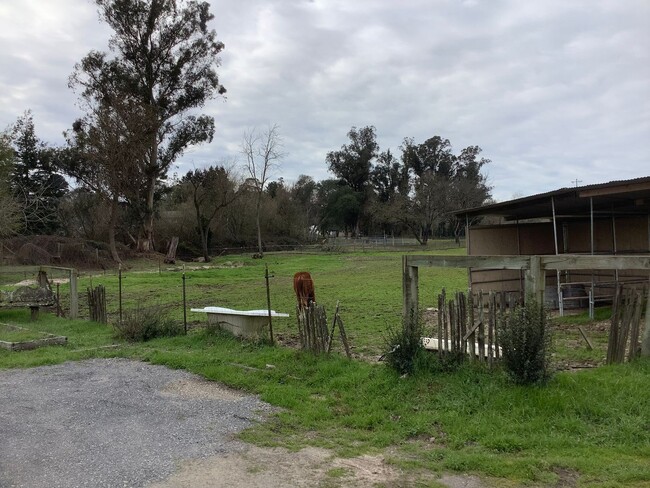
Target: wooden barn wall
(574, 237)
(508, 240)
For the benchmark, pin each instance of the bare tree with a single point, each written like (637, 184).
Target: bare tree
(263, 153)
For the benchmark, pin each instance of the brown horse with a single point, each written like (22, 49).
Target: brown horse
(304, 288)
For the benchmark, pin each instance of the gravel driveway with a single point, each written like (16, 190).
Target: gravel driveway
(113, 423)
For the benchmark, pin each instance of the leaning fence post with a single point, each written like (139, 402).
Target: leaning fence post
(336, 314)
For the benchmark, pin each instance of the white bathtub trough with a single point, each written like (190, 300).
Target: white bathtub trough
(244, 323)
(431, 343)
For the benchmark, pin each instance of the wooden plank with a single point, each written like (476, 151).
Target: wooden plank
(645, 342)
(462, 300)
(472, 330)
(576, 262)
(470, 333)
(453, 319)
(487, 262)
(344, 337)
(445, 321)
(501, 318)
(491, 322)
(590, 346)
(624, 331)
(634, 325)
(553, 262)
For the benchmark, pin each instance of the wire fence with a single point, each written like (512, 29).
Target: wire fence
(333, 244)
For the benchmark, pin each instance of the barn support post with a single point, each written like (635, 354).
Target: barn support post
(591, 225)
(558, 277)
(409, 293)
(535, 279)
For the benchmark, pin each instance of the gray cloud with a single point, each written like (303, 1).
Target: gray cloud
(552, 91)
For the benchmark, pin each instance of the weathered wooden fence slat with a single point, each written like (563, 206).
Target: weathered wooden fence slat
(472, 328)
(97, 304)
(625, 326)
(481, 329)
(468, 325)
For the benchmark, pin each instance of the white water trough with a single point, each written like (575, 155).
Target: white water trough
(431, 343)
(242, 323)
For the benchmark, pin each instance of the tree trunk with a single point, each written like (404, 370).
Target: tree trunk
(259, 227)
(111, 229)
(204, 243)
(145, 243)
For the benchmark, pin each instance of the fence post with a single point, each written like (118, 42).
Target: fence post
(268, 300)
(184, 304)
(119, 290)
(535, 279)
(645, 343)
(74, 297)
(409, 293)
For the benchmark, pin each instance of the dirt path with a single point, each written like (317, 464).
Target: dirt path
(310, 467)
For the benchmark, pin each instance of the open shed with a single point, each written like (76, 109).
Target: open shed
(611, 219)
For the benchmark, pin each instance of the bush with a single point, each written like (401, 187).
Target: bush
(403, 349)
(525, 338)
(143, 324)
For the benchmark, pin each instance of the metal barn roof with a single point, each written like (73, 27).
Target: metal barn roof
(623, 197)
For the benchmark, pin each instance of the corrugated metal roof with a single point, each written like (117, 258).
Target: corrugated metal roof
(633, 194)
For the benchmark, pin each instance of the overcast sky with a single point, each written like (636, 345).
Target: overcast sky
(553, 91)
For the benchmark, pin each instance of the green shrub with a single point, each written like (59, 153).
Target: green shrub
(403, 349)
(143, 324)
(525, 338)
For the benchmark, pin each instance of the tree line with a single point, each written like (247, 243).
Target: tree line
(141, 101)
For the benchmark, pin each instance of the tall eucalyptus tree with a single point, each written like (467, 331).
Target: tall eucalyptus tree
(162, 56)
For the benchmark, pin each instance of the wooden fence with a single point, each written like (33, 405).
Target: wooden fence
(313, 329)
(97, 304)
(468, 324)
(625, 330)
(534, 268)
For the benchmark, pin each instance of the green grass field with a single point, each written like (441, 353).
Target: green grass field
(588, 428)
(10, 334)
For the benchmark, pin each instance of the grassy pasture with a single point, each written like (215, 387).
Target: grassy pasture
(588, 428)
(368, 286)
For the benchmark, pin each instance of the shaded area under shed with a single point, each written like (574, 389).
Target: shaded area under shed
(609, 219)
